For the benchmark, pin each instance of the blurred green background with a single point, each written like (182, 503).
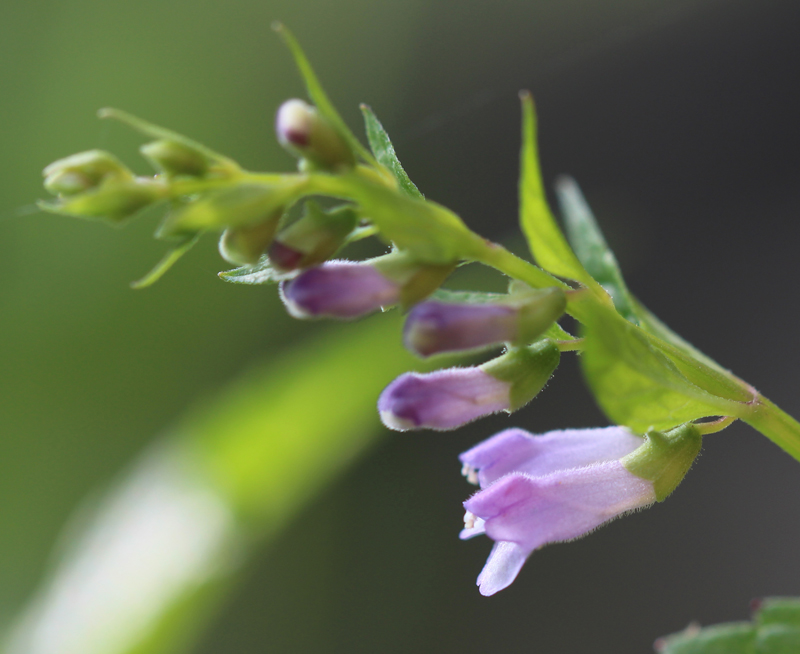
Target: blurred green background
(679, 119)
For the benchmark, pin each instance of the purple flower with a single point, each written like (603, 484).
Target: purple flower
(434, 327)
(561, 485)
(338, 289)
(516, 450)
(442, 400)
(523, 513)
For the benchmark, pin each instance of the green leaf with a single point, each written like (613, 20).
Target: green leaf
(641, 383)
(259, 273)
(591, 248)
(384, 152)
(154, 558)
(779, 610)
(735, 638)
(651, 324)
(318, 96)
(775, 630)
(546, 242)
(166, 262)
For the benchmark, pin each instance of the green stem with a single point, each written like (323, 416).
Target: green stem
(775, 424)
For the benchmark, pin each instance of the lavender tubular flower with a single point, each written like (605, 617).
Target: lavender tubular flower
(435, 327)
(338, 289)
(516, 450)
(564, 484)
(442, 400)
(522, 513)
(449, 398)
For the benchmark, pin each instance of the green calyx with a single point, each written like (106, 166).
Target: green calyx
(537, 310)
(527, 369)
(665, 458)
(417, 279)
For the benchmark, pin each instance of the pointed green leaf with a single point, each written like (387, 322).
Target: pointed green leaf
(166, 262)
(547, 243)
(591, 248)
(642, 383)
(384, 152)
(259, 273)
(775, 629)
(734, 638)
(318, 96)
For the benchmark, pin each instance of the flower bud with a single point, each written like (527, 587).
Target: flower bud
(175, 159)
(434, 327)
(312, 239)
(244, 245)
(339, 289)
(84, 171)
(307, 134)
(449, 398)
(345, 289)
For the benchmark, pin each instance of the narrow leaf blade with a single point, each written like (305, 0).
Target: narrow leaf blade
(591, 248)
(166, 262)
(384, 152)
(546, 242)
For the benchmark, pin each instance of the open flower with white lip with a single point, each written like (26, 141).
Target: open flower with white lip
(562, 485)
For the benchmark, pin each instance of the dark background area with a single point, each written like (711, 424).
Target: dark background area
(680, 122)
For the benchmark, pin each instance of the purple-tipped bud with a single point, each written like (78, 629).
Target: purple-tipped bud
(312, 239)
(516, 450)
(522, 513)
(338, 289)
(293, 123)
(305, 133)
(449, 398)
(284, 257)
(442, 400)
(521, 317)
(434, 327)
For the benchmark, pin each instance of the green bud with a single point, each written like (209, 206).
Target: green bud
(527, 369)
(175, 159)
(307, 134)
(244, 245)
(417, 280)
(312, 239)
(84, 171)
(113, 201)
(235, 206)
(665, 458)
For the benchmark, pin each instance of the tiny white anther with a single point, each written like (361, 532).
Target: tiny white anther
(469, 520)
(470, 473)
